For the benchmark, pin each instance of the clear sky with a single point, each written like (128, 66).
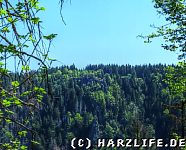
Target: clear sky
(104, 31)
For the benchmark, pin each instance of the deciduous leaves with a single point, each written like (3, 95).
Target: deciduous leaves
(50, 37)
(173, 31)
(22, 39)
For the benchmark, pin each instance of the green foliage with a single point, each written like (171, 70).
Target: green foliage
(114, 102)
(173, 34)
(25, 68)
(15, 84)
(176, 79)
(35, 20)
(99, 96)
(19, 94)
(50, 37)
(118, 102)
(166, 111)
(109, 131)
(78, 119)
(70, 136)
(22, 133)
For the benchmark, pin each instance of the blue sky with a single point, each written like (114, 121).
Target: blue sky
(104, 31)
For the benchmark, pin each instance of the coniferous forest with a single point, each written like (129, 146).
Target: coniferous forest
(104, 101)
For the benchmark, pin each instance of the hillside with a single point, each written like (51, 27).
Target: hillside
(104, 101)
(100, 101)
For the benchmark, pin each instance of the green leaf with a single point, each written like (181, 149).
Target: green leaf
(42, 8)
(35, 20)
(3, 93)
(35, 142)
(17, 102)
(1, 64)
(25, 68)
(3, 12)
(50, 37)
(24, 16)
(39, 90)
(15, 83)
(39, 98)
(9, 111)
(9, 19)
(5, 29)
(23, 147)
(52, 59)
(26, 93)
(22, 133)
(8, 120)
(166, 112)
(31, 38)
(8, 134)
(6, 103)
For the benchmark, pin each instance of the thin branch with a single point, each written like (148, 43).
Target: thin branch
(18, 123)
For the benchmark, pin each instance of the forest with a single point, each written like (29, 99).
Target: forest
(45, 106)
(104, 101)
